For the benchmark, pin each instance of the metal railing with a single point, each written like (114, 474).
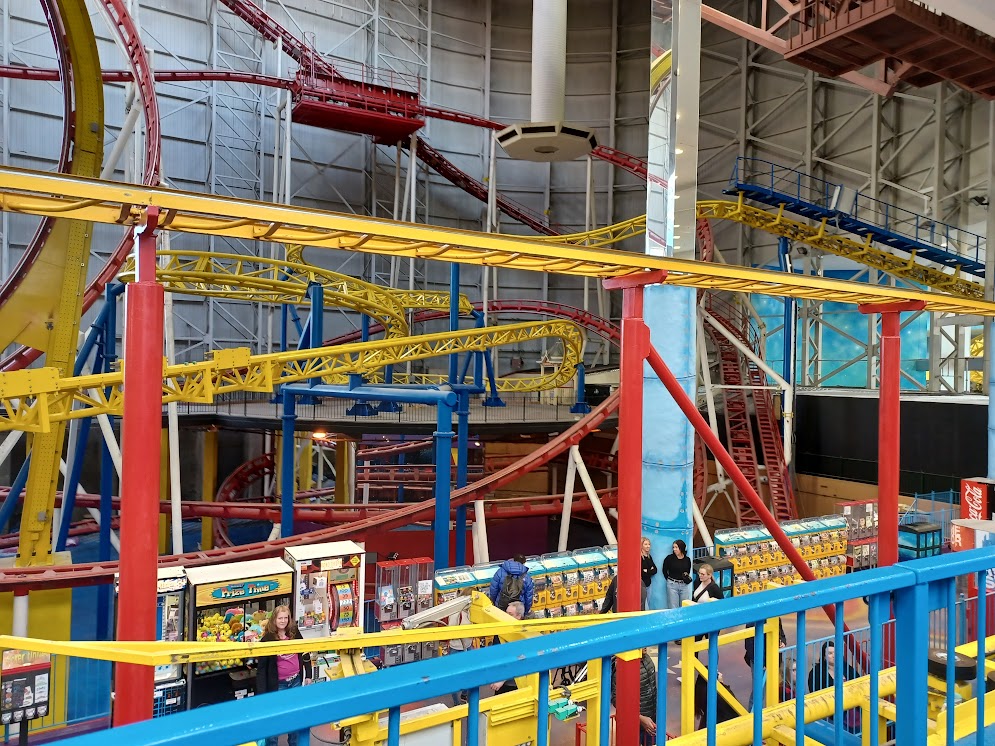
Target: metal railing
(519, 408)
(840, 201)
(909, 592)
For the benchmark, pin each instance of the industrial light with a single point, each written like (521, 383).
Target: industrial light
(319, 435)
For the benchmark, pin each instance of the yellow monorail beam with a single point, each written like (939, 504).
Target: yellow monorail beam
(39, 193)
(32, 400)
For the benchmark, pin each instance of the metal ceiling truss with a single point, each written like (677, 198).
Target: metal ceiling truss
(913, 148)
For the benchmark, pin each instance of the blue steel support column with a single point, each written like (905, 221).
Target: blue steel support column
(316, 326)
(462, 458)
(288, 464)
(453, 318)
(443, 445)
(580, 406)
(72, 483)
(912, 634)
(105, 610)
(668, 438)
(14, 495)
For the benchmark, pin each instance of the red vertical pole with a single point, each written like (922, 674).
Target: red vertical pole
(635, 347)
(888, 438)
(141, 422)
(889, 444)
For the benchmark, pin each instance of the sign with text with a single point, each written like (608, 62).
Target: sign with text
(24, 685)
(243, 590)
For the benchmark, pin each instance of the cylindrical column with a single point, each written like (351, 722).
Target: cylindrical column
(635, 343)
(288, 464)
(549, 59)
(142, 415)
(443, 447)
(888, 438)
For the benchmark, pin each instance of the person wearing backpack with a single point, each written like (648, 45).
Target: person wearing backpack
(510, 583)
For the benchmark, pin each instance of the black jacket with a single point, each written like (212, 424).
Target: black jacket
(647, 686)
(611, 596)
(712, 590)
(267, 679)
(649, 570)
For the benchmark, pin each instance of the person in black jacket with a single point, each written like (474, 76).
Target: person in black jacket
(649, 566)
(278, 672)
(647, 699)
(723, 710)
(677, 572)
(611, 596)
(706, 589)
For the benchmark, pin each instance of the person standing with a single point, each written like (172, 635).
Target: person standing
(611, 596)
(706, 589)
(677, 572)
(647, 699)
(516, 610)
(649, 566)
(284, 671)
(511, 583)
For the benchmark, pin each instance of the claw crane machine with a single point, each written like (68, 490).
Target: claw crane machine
(232, 603)
(328, 590)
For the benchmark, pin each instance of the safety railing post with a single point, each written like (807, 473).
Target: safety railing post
(911, 633)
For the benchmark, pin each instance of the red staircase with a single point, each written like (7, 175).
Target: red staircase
(738, 424)
(739, 427)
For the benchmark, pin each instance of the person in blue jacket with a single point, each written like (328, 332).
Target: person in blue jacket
(512, 582)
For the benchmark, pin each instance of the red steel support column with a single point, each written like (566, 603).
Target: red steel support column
(140, 424)
(635, 345)
(889, 443)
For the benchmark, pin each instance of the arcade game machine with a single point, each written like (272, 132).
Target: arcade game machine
(170, 693)
(232, 603)
(329, 582)
(403, 588)
(170, 687)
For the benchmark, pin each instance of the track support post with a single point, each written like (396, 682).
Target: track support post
(889, 425)
(142, 416)
(635, 348)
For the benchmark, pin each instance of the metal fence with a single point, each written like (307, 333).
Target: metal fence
(907, 593)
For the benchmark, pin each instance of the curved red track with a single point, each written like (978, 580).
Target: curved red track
(67, 576)
(141, 74)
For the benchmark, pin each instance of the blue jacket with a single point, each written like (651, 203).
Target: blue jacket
(510, 567)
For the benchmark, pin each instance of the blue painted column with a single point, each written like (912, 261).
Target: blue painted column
(462, 458)
(288, 464)
(453, 319)
(668, 438)
(443, 445)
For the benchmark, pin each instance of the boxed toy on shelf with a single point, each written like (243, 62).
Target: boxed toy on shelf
(862, 527)
(757, 559)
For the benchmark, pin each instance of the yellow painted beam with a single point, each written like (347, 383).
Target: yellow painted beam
(35, 399)
(46, 307)
(37, 193)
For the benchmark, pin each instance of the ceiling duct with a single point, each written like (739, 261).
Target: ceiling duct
(547, 137)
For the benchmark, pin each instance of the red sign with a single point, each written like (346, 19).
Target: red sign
(977, 498)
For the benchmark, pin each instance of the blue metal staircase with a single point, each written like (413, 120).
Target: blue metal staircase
(854, 212)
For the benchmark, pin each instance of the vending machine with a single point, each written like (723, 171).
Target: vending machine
(170, 692)
(328, 582)
(232, 603)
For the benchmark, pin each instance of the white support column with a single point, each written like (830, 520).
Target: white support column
(990, 247)
(568, 499)
(706, 378)
(480, 520)
(592, 493)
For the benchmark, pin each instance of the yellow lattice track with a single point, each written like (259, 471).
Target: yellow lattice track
(106, 202)
(864, 253)
(32, 400)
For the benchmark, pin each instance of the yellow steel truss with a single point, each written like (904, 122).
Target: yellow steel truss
(46, 307)
(32, 400)
(864, 253)
(106, 202)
